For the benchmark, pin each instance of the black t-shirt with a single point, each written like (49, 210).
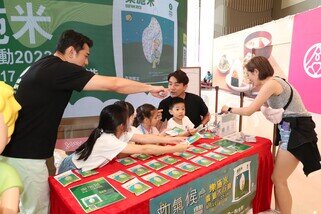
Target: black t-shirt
(195, 107)
(43, 93)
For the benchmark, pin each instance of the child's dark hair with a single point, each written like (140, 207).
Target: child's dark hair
(72, 38)
(127, 105)
(142, 112)
(174, 101)
(110, 118)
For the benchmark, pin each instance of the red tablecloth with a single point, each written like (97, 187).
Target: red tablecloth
(62, 200)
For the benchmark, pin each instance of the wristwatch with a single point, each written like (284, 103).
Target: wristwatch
(229, 109)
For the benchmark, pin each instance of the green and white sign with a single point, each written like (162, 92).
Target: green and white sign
(229, 189)
(29, 30)
(95, 194)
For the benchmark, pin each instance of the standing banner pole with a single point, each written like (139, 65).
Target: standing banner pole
(241, 105)
(216, 97)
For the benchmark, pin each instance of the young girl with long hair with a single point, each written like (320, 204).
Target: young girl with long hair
(104, 143)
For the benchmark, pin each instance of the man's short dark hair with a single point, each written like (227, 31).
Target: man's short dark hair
(74, 39)
(180, 76)
(174, 101)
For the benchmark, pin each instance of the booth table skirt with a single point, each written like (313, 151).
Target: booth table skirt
(62, 201)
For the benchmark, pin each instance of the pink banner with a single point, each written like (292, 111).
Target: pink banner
(305, 62)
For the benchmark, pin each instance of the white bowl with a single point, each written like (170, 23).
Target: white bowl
(224, 70)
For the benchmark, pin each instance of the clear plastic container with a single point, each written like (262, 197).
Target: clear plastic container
(285, 131)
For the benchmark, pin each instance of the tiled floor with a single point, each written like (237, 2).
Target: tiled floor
(306, 191)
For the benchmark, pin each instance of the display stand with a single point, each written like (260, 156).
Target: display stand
(194, 75)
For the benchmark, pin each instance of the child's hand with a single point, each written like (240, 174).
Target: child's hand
(159, 114)
(176, 140)
(192, 131)
(122, 155)
(181, 147)
(163, 134)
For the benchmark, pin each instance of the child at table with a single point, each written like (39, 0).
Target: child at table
(179, 119)
(104, 144)
(138, 136)
(131, 115)
(146, 119)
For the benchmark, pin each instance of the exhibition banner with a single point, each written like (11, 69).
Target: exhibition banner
(305, 64)
(145, 39)
(233, 51)
(149, 40)
(31, 29)
(230, 189)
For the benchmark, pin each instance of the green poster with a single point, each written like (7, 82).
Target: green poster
(148, 29)
(95, 194)
(227, 190)
(29, 30)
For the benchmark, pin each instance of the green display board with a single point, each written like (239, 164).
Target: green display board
(29, 30)
(229, 189)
